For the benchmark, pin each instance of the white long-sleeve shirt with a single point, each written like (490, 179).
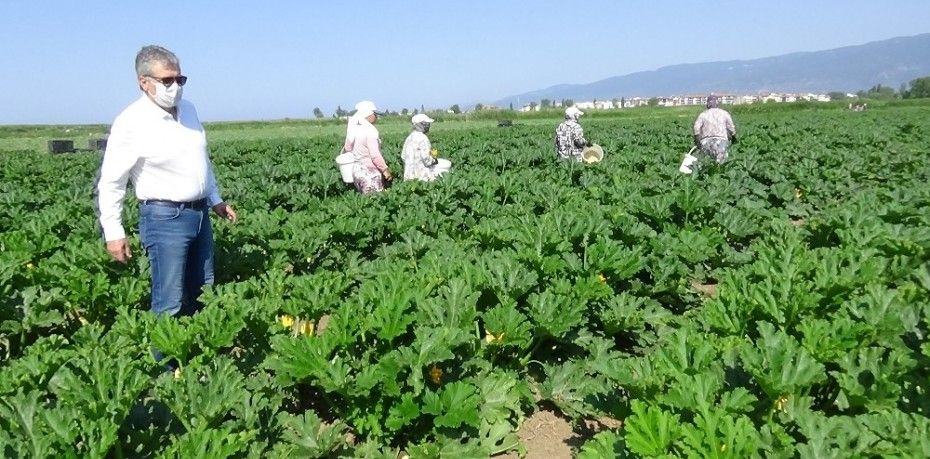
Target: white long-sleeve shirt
(163, 157)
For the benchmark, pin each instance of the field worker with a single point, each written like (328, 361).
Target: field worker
(370, 172)
(352, 124)
(158, 144)
(418, 155)
(714, 130)
(569, 136)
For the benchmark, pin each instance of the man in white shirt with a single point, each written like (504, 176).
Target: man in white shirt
(159, 145)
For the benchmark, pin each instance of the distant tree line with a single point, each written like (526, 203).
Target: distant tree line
(340, 112)
(917, 89)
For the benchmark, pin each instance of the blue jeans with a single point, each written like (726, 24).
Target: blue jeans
(179, 243)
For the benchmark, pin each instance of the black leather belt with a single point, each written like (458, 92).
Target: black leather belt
(198, 204)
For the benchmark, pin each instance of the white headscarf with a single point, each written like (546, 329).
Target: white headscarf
(363, 110)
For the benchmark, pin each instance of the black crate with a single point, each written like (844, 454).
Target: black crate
(60, 146)
(97, 144)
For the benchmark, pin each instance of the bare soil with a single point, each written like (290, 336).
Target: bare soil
(548, 435)
(322, 324)
(708, 290)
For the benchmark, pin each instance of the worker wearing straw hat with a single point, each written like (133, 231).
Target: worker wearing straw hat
(569, 136)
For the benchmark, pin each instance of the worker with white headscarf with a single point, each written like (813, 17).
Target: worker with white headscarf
(364, 142)
(569, 136)
(353, 123)
(714, 130)
(418, 154)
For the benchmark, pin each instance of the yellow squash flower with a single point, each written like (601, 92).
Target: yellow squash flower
(491, 338)
(435, 374)
(601, 279)
(286, 320)
(305, 327)
(780, 403)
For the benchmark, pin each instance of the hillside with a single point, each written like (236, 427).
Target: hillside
(888, 62)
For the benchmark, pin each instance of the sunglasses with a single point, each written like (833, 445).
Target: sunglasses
(168, 81)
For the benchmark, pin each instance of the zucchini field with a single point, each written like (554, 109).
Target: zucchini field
(777, 306)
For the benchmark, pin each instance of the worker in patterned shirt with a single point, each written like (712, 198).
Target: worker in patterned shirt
(569, 136)
(714, 130)
(418, 154)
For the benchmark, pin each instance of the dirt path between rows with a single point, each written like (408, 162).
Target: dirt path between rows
(548, 435)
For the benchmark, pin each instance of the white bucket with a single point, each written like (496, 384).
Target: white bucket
(686, 163)
(592, 154)
(442, 166)
(346, 162)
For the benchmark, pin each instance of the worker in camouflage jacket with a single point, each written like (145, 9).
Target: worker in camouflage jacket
(569, 136)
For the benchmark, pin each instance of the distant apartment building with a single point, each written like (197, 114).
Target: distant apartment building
(634, 102)
(689, 100)
(585, 105)
(682, 101)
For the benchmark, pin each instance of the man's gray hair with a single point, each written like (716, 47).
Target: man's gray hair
(152, 54)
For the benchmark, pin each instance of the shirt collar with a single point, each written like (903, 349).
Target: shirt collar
(156, 111)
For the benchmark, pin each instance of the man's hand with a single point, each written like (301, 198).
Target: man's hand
(588, 143)
(733, 139)
(697, 141)
(119, 250)
(387, 175)
(226, 211)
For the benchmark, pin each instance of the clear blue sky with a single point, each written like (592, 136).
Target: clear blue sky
(72, 61)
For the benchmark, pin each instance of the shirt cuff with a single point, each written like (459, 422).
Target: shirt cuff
(214, 199)
(113, 232)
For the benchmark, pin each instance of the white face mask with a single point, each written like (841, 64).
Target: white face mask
(167, 97)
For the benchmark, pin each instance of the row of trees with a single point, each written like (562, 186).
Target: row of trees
(917, 89)
(341, 112)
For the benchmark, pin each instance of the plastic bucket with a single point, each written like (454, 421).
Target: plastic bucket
(442, 166)
(686, 163)
(592, 154)
(346, 163)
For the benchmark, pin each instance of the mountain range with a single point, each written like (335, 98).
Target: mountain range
(888, 62)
